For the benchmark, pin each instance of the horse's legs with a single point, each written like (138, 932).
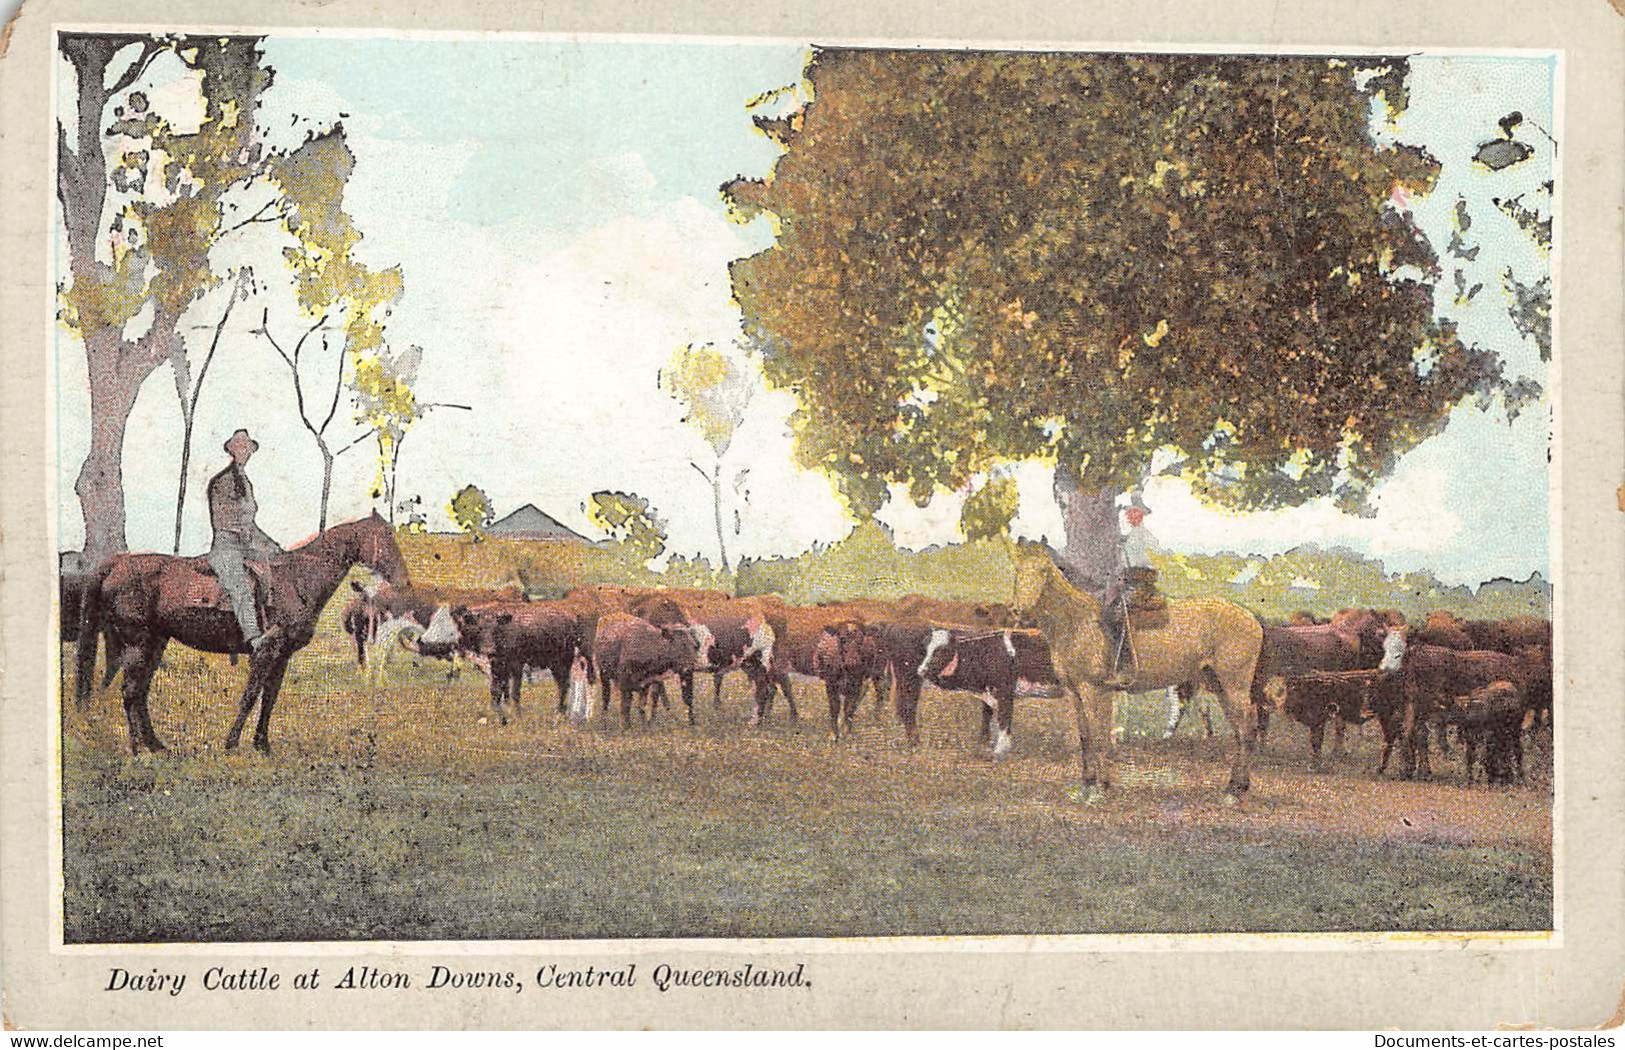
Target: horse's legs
(140, 664)
(252, 689)
(1235, 696)
(1080, 708)
(273, 687)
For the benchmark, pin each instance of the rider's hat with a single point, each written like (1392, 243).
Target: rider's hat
(238, 437)
(1136, 503)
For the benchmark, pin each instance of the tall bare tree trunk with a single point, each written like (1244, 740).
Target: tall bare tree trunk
(186, 461)
(100, 485)
(1094, 545)
(716, 506)
(116, 368)
(327, 481)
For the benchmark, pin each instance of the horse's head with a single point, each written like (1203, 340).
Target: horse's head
(1034, 572)
(376, 549)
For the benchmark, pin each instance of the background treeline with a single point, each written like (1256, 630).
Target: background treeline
(868, 563)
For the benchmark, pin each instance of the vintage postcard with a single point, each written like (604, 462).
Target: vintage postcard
(543, 523)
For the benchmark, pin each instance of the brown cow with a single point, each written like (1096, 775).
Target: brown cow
(825, 642)
(633, 655)
(1490, 719)
(515, 636)
(1351, 641)
(1432, 678)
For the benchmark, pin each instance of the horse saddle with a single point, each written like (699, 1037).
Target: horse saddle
(1147, 609)
(204, 589)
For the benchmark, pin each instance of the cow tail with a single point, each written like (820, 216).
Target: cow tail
(90, 633)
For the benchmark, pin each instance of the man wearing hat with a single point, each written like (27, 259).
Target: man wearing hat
(1137, 544)
(237, 539)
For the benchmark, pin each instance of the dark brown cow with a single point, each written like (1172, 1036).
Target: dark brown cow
(1490, 720)
(1351, 641)
(825, 642)
(1432, 677)
(515, 636)
(633, 655)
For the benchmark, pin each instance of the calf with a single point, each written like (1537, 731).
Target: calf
(633, 655)
(1490, 721)
(514, 636)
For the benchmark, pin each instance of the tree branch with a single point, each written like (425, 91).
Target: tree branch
(252, 218)
(338, 385)
(214, 343)
(149, 51)
(265, 330)
(356, 442)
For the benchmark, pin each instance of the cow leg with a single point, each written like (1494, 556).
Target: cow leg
(273, 688)
(1469, 751)
(1004, 713)
(832, 693)
(789, 696)
(906, 699)
(987, 717)
(561, 678)
(1317, 736)
(499, 690)
(604, 693)
(1444, 737)
(1339, 735)
(1515, 738)
(1423, 730)
(716, 690)
(686, 680)
(516, 686)
(853, 699)
(882, 694)
(625, 686)
(1407, 740)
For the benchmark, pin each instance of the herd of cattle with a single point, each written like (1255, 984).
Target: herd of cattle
(1487, 679)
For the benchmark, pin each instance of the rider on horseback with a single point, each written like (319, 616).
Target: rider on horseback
(237, 539)
(1136, 564)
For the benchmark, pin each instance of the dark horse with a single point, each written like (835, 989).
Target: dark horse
(144, 600)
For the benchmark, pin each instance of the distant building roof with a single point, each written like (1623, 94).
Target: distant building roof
(532, 523)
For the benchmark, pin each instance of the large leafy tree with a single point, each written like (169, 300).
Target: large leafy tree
(143, 205)
(1113, 262)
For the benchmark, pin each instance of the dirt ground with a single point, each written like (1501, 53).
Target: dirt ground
(407, 812)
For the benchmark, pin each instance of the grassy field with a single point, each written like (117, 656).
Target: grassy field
(406, 813)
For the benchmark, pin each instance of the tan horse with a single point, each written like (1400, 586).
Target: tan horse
(1205, 640)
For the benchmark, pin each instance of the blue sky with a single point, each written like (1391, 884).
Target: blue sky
(554, 208)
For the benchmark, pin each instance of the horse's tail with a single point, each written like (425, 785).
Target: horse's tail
(90, 633)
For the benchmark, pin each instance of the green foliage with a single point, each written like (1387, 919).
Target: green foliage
(629, 518)
(989, 510)
(471, 509)
(985, 257)
(168, 196)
